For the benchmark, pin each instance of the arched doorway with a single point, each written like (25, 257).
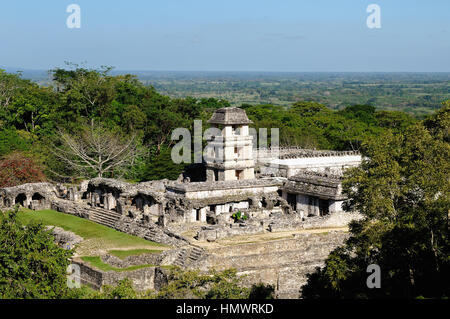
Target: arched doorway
(21, 199)
(38, 197)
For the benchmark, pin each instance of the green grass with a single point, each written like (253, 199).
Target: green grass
(122, 254)
(96, 261)
(85, 228)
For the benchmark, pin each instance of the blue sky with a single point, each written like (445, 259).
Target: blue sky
(245, 35)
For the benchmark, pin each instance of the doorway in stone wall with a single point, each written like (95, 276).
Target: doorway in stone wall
(292, 200)
(21, 199)
(324, 207)
(216, 174)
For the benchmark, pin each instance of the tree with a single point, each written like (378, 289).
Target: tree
(9, 83)
(32, 265)
(84, 92)
(307, 108)
(17, 168)
(402, 189)
(96, 151)
(31, 108)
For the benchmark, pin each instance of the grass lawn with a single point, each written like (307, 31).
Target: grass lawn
(122, 254)
(98, 263)
(100, 235)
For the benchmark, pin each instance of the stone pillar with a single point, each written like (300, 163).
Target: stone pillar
(27, 203)
(228, 175)
(71, 193)
(110, 203)
(335, 206)
(193, 216)
(95, 199)
(316, 207)
(302, 203)
(97, 196)
(210, 175)
(203, 215)
(249, 173)
(139, 203)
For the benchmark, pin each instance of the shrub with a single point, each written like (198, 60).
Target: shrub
(17, 168)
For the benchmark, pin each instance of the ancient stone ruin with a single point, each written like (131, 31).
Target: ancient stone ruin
(246, 191)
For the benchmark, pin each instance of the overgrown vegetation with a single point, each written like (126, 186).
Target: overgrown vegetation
(33, 266)
(89, 123)
(402, 189)
(239, 216)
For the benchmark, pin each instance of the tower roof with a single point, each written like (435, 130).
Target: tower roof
(229, 116)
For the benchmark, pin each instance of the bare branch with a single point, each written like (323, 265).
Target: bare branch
(96, 149)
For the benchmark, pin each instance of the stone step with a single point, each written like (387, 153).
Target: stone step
(103, 217)
(106, 212)
(103, 220)
(193, 256)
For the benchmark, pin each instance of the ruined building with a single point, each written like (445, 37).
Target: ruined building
(245, 191)
(298, 188)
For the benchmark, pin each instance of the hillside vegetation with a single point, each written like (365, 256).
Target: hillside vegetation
(87, 123)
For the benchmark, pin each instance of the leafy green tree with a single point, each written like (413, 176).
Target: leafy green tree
(84, 92)
(9, 84)
(194, 285)
(123, 290)
(402, 190)
(363, 113)
(262, 291)
(32, 265)
(306, 109)
(160, 165)
(12, 140)
(225, 285)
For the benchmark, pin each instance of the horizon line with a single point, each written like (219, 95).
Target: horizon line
(217, 71)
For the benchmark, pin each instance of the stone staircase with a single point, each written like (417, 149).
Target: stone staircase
(152, 235)
(103, 216)
(188, 255)
(116, 221)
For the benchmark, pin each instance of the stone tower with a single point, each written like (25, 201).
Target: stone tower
(232, 157)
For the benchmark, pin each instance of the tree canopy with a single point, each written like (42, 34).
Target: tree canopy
(402, 190)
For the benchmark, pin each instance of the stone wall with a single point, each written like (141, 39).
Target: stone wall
(334, 220)
(213, 233)
(64, 238)
(282, 263)
(149, 278)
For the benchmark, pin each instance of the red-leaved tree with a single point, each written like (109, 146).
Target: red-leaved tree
(16, 168)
